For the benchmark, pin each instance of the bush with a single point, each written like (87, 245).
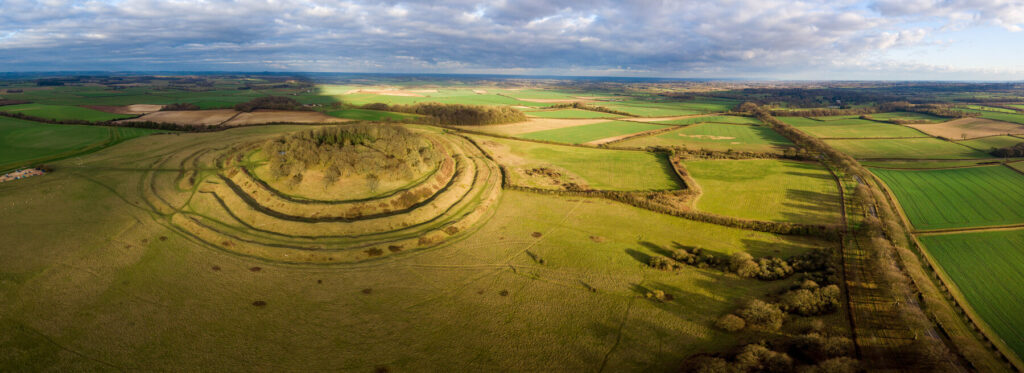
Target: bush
(758, 358)
(819, 347)
(662, 263)
(730, 323)
(837, 365)
(761, 315)
(768, 269)
(808, 302)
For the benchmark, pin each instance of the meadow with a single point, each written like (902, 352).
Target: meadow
(571, 114)
(716, 136)
(766, 189)
(590, 132)
(369, 115)
(61, 112)
(988, 143)
(732, 119)
(986, 268)
(596, 168)
(850, 128)
(1003, 115)
(922, 148)
(25, 143)
(907, 115)
(958, 198)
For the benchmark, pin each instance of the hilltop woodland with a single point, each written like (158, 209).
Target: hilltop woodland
(457, 114)
(1010, 151)
(378, 153)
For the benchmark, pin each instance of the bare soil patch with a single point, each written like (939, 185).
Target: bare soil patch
(532, 125)
(187, 117)
(275, 116)
(128, 109)
(969, 127)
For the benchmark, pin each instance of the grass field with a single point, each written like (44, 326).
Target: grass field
(122, 290)
(371, 115)
(590, 132)
(24, 143)
(716, 136)
(850, 128)
(907, 115)
(712, 119)
(571, 114)
(925, 164)
(958, 198)
(986, 268)
(923, 148)
(987, 143)
(766, 189)
(643, 108)
(1006, 116)
(598, 168)
(61, 112)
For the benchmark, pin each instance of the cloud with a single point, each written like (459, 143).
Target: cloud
(696, 38)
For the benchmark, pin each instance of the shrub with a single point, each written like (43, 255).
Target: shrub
(761, 315)
(807, 302)
(837, 365)
(758, 358)
(819, 347)
(457, 114)
(662, 263)
(730, 323)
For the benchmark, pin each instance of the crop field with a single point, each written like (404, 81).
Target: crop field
(368, 95)
(732, 119)
(850, 128)
(590, 132)
(765, 189)
(969, 128)
(986, 268)
(370, 115)
(571, 114)
(24, 142)
(60, 112)
(989, 108)
(988, 143)
(958, 198)
(923, 148)
(716, 136)
(595, 168)
(927, 164)
(1005, 116)
(531, 125)
(156, 280)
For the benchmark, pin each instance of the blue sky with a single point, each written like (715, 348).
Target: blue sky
(754, 39)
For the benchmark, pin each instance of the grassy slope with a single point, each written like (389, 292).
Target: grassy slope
(765, 189)
(955, 198)
(571, 114)
(986, 268)
(60, 112)
(923, 148)
(590, 132)
(118, 295)
(736, 137)
(851, 128)
(600, 168)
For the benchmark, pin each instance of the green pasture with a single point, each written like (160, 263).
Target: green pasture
(958, 198)
(600, 168)
(986, 267)
(62, 112)
(925, 164)
(716, 136)
(732, 119)
(571, 114)
(987, 143)
(1011, 117)
(850, 128)
(370, 115)
(767, 189)
(590, 132)
(908, 115)
(922, 148)
(989, 108)
(24, 143)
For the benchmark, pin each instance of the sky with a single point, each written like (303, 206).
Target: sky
(739, 39)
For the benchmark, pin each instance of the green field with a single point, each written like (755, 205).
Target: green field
(571, 114)
(986, 267)
(924, 164)
(645, 108)
(370, 115)
(712, 119)
(850, 128)
(1001, 116)
(908, 115)
(989, 108)
(92, 269)
(599, 168)
(958, 198)
(766, 189)
(590, 132)
(923, 148)
(716, 136)
(987, 143)
(60, 112)
(24, 143)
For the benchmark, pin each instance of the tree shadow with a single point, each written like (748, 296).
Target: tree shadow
(813, 207)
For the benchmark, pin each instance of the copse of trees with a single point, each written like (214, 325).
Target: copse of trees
(1010, 151)
(270, 103)
(457, 114)
(180, 106)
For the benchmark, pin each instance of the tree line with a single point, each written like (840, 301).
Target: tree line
(456, 114)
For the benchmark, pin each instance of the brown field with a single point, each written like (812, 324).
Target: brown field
(188, 117)
(128, 109)
(532, 125)
(273, 116)
(971, 127)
